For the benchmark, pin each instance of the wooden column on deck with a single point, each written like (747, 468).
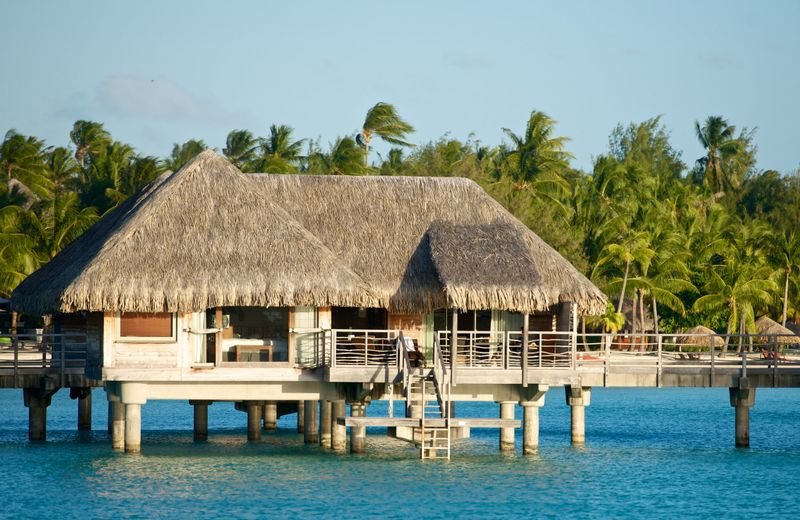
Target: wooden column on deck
(523, 358)
(218, 346)
(453, 347)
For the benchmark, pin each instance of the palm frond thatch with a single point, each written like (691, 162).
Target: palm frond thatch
(209, 236)
(701, 336)
(768, 327)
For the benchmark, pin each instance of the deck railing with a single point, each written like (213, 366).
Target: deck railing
(367, 348)
(58, 354)
(503, 349)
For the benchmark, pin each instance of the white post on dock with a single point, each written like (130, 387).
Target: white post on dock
(254, 420)
(117, 425)
(453, 346)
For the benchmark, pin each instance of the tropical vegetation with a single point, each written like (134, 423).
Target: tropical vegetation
(710, 241)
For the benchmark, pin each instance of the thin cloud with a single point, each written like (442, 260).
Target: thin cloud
(136, 96)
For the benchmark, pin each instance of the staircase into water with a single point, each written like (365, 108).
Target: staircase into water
(431, 397)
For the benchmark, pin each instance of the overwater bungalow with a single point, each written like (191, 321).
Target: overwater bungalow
(264, 290)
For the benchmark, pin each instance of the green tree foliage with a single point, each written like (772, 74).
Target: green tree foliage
(716, 244)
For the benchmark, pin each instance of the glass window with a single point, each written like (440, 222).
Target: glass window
(254, 334)
(145, 325)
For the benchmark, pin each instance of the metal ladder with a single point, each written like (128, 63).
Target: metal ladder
(435, 441)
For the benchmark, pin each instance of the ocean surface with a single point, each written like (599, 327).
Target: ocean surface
(650, 453)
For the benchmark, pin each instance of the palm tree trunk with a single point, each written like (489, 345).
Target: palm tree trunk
(727, 339)
(634, 319)
(366, 153)
(785, 297)
(655, 315)
(641, 318)
(624, 283)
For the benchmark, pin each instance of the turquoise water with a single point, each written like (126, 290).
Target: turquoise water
(650, 452)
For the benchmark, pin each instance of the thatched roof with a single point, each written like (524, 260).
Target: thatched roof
(701, 336)
(767, 327)
(209, 235)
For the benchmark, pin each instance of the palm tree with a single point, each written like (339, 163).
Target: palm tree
(53, 224)
(786, 255)
(279, 152)
(537, 156)
(737, 289)
(183, 153)
(383, 121)
(344, 158)
(22, 160)
(90, 139)
(723, 150)
(240, 148)
(635, 249)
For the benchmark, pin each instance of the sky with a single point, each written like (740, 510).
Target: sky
(157, 73)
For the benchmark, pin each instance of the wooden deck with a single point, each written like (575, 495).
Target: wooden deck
(414, 422)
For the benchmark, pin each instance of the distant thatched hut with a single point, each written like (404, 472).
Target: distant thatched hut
(770, 330)
(701, 336)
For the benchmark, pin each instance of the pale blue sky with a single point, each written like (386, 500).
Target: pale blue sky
(158, 72)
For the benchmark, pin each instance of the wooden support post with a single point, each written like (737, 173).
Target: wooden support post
(200, 433)
(578, 397)
(742, 398)
(133, 427)
(338, 431)
(453, 347)
(507, 434)
(326, 409)
(270, 413)
(254, 420)
(358, 434)
(85, 411)
(300, 416)
(117, 425)
(311, 422)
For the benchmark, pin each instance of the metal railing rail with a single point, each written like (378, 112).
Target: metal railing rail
(59, 354)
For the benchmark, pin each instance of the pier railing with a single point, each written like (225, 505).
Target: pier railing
(713, 352)
(57, 354)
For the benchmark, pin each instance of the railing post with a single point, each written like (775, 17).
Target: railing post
(711, 346)
(506, 346)
(333, 348)
(744, 365)
(524, 351)
(366, 348)
(63, 358)
(659, 360)
(607, 339)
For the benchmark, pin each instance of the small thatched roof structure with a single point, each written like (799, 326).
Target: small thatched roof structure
(209, 236)
(701, 336)
(766, 327)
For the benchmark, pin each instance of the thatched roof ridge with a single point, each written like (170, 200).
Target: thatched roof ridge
(702, 336)
(381, 227)
(193, 239)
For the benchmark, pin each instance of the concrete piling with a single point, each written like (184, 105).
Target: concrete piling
(85, 411)
(200, 431)
(742, 398)
(117, 425)
(253, 420)
(133, 427)
(338, 431)
(326, 410)
(578, 398)
(507, 434)
(300, 416)
(37, 400)
(311, 422)
(358, 434)
(270, 416)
